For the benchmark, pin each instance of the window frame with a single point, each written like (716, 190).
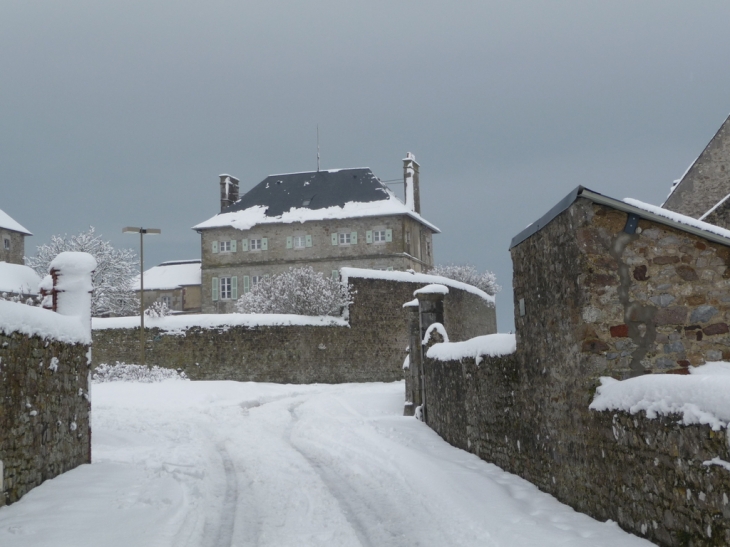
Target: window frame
(6, 243)
(225, 288)
(344, 238)
(255, 244)
(299, 239)
(224, 246)
(379, 236)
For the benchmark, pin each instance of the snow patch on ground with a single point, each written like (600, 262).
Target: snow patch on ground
(700, 398)
(123, 372)
(489, 345)
(180, 323)
(202, 464)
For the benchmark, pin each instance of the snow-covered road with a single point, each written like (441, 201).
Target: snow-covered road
(214, 464)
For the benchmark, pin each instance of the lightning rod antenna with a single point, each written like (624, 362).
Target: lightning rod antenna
(317, 147)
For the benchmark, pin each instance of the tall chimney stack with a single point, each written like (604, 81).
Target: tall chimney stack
(229, 191)
(410, 179)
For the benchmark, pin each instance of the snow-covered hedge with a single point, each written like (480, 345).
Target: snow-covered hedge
(300, 291)
(123, 372)
(700, 398)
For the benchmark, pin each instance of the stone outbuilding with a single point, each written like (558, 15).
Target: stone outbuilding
(12, 239)
(634, 287)
(175, 283)
(323, 219)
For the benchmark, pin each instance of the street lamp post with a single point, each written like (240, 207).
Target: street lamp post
(141, 232)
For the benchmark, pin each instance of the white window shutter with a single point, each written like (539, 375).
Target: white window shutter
(246, 284)
(308, 241)
(388, 235)
(234, 287)
(244, 245)
(334, 239)
(336, 275)
(288, 242)
(369, 236)
(215, 247)
(353, 238)
(233, 245)
(264, 244)
(215, 289)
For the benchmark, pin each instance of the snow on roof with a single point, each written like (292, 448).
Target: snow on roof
(679, 218)
(170, 275)
(7, 222)
(177, 324)
(314, 195)
(34, 321)
(489, 345)
(413, 278)
(700, 398)
(17, 278)
(248, 218)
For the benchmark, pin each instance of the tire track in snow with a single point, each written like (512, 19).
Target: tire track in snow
(366, 519)
(223, 535)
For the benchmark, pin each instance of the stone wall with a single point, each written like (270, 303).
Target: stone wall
(601, 302)
(44, 411)
(371, 348)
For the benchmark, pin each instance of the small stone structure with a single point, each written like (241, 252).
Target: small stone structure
(369, 346)
(602, 288)
(44, 375)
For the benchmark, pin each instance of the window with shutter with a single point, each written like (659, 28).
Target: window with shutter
(334, 239)
(336, 275)
(215, 247)
(353, 238)
(369, 236)
(264, 244)
(246, 284)
(288, 242)
(244, 245)
(233, 245)
(214, 291)
(388, 235)
(308, 241)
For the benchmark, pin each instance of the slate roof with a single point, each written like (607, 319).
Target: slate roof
(320, 188)
(313, 195)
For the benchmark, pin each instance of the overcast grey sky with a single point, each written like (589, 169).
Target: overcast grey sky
(124, 113)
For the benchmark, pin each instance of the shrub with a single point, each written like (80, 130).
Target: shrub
(300, 291)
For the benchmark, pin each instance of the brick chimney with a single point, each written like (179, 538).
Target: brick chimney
(410, 179)
(229, 191)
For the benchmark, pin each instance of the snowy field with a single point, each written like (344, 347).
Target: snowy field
(181, 463)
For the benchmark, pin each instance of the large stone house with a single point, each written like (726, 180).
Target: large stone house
(174, 283)
(703, 191)
(323, 219)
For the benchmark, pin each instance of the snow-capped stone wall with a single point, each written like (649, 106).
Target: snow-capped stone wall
(368, 346)
(44, 389)
(593, 300)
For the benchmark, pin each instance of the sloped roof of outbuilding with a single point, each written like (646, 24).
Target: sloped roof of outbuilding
(313, 195)
(7, 222)
(632, 207)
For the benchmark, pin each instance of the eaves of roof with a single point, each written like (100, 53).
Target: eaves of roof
(582, 192)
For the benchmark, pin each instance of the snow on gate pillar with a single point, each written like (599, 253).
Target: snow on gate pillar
(430, 311)
(67, 288)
